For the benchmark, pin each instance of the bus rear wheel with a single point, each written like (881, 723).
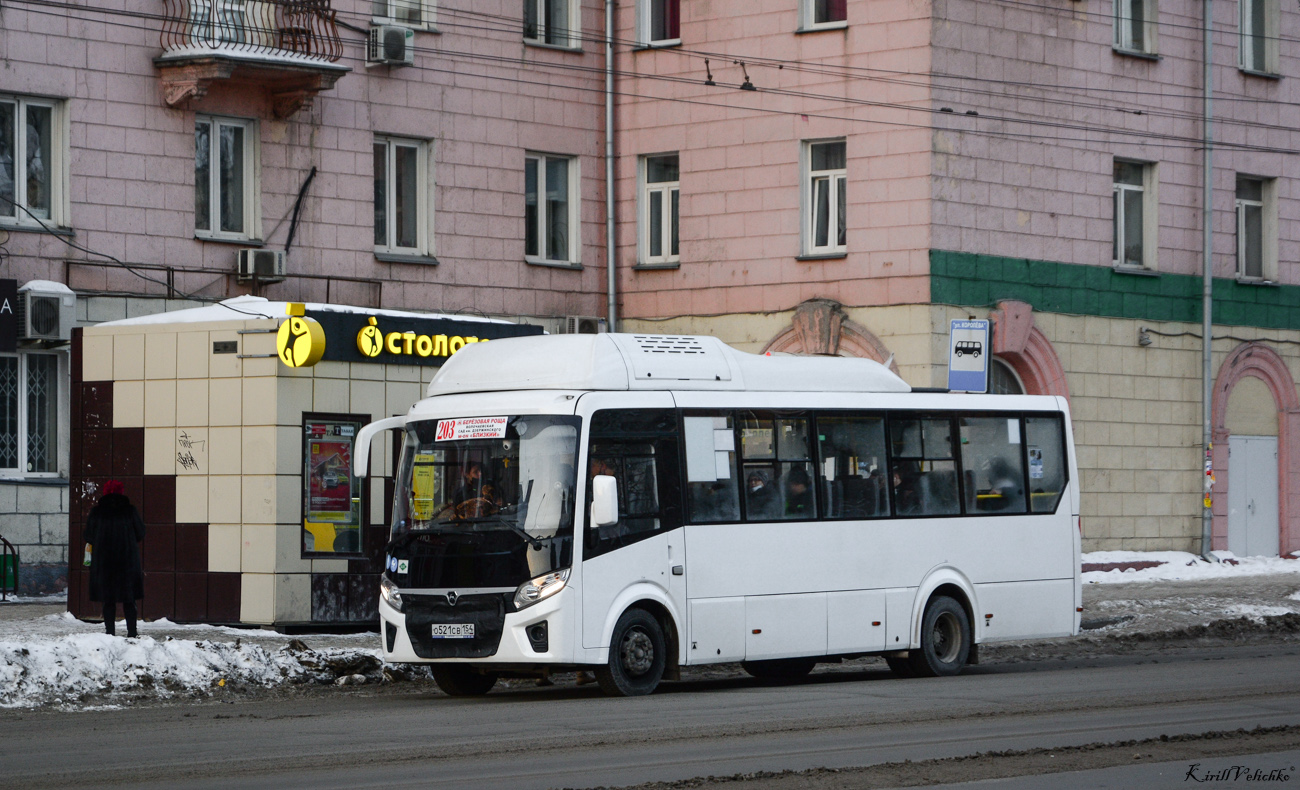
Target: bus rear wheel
(945, 639)
(458, 681)
(784, 669)
(637, 656)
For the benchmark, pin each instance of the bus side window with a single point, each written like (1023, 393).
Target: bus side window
(712, 492)
(852, 470)
(638, 448)
(991, 457)
(1045, 440)
(924, 474)
(777, 468)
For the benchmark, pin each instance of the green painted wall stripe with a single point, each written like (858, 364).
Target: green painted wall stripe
(961, 278)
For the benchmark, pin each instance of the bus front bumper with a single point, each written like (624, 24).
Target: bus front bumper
(519, 639)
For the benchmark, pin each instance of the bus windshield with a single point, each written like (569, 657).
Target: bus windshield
(488, 475)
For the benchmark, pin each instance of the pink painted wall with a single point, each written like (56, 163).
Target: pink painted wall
(132, 159)
(1050, 197)
(739, 155)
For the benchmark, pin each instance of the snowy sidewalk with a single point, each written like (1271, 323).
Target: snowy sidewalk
(49, 658)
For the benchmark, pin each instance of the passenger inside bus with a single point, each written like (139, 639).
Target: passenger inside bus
(760, 497)
(798, 495)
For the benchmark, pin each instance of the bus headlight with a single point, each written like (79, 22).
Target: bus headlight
(390, 592)
(541, 588)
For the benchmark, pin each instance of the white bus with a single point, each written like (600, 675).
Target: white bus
(633, 504)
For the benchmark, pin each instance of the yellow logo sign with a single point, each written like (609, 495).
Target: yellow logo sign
(300, 342)
(370, 341)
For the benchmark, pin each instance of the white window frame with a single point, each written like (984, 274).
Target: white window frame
(252, 186)
(574, 38)
(59, 156)
(575, 210)
(1246, 33)
(1150, 216)
(1268, 229)
(423, 192)
(807, 17)
(645, 24)
(661, 192)
(1123, 13)
(385, 12)
(809, 209)
(60, 406)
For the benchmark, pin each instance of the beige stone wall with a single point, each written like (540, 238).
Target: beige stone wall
(240, 420)
(1136, 409)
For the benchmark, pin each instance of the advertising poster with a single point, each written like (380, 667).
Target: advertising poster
(329, 487)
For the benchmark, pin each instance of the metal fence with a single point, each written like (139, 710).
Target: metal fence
(303, 28)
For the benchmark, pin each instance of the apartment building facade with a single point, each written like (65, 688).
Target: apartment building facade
(901, 164)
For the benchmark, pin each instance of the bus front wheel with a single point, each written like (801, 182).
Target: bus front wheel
(462, 682)
(637, 656)
(945, 639)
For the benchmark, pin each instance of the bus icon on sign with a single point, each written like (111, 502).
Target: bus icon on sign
(972, 347)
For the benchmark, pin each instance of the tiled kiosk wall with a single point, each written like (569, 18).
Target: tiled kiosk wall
(209, 446)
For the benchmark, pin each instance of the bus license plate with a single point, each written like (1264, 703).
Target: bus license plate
(453, 631)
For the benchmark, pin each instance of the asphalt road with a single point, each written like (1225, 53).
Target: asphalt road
(530, 737)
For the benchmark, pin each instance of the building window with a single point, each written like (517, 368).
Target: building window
(1135, 215)
(401, 196)
(1259, 36)
(553, 22)
(333, 499)
(824, 13)
(225, 178)
(1003, 379)
(412, 13)
(29, 413)
(1256, 228)
(31, 161)
(659, 22)
(550, 209)
(1135, 25)
(824, 197)
(659, 210)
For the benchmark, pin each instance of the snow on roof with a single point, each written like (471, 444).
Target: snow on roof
(649, 362)
(245, 308)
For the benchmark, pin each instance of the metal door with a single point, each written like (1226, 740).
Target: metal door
(1252, 496)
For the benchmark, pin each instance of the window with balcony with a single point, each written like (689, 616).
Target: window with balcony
(659, 22)
(1256, 207)
(825, 194)
(550, 209)
(1258, 44)
(32, 161)
(1135, 26)
(819, 14)
(225, 179)
(29, 414)
(1134, 215)
(659, 201)
(552, 22)
(401, 196)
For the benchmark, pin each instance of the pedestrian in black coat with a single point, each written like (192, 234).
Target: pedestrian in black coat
(114, 530)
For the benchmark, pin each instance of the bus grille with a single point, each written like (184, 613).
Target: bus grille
(486, 612)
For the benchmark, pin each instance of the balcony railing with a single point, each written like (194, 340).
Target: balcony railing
(292, 30)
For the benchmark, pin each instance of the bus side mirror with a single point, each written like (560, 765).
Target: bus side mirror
(604, 500)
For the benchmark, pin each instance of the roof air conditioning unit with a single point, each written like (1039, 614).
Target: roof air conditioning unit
(266, 265)
(46, 311)
(584, 325)
(392, 45)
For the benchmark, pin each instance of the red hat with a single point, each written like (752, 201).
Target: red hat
(114, 487)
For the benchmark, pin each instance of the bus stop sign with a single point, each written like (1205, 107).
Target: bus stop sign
(968, 356)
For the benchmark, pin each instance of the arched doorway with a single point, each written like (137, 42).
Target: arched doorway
(1024, 348)
(1256, 430)
(819, 326)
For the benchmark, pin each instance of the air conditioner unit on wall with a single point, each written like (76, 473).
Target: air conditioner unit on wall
(584, 325)
(392, 45)
(46, 312)
(267, 265)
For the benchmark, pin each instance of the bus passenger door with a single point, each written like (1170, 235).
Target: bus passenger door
(632, 436)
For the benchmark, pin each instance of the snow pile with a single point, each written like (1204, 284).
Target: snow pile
(1256, 612)
(81, 668)
(1180, 566)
